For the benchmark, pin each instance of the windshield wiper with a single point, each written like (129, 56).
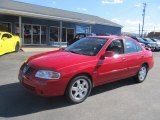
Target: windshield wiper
(73, 51)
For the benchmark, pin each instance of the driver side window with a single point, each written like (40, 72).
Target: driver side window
(116, 46)
(6, 35)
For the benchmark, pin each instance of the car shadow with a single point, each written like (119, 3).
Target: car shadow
(16, 101)
(11, 53)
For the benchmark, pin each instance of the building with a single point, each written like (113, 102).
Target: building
(39, 25)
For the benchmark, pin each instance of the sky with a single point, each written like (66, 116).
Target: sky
(127, 13)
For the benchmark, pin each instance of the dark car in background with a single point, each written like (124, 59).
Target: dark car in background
(144, 42)
(151, 44)
(79, 36)
(140, 40)
(157, 41)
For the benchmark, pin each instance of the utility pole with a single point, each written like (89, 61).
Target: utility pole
(143, 14)
(139, 30)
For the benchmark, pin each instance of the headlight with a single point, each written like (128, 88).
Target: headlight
(47, 74)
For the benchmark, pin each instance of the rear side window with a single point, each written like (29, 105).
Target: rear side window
(131, 46)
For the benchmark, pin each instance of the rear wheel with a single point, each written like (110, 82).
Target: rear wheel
(142, 73)
(17, 47)
(79, 89)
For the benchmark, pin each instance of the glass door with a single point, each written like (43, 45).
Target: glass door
(36, 34)
(70, 34)
(64, 35)
(43, 35)
(54, 35)
(27, 32)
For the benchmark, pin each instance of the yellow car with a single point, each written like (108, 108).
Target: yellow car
(9, 43)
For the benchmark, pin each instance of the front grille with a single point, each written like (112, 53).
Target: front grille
(26, 69)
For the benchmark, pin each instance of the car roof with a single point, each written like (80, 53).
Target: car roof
(3, 32)
(109, 37)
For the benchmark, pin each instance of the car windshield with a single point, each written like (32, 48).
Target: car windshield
(156, 40)
(89, 46)
(148, 40)
(140, 40)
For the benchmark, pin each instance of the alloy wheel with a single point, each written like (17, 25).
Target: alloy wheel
(79, 89)
(142, 73)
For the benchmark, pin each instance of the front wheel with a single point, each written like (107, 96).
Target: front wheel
(142, 73)
(79, 89)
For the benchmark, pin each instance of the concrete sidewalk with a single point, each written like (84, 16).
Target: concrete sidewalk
(38, 48)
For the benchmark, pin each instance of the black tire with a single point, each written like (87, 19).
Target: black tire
(17, 47)
(142, 74)
(74, 96)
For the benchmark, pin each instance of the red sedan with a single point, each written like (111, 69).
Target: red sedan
(89, 62)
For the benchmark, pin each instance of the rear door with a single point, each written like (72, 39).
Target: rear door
(134, 55)
(113, 68)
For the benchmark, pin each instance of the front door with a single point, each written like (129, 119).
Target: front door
(113, 68)
(6, 44)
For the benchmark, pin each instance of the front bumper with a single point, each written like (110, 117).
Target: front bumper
(151, 47)
(43, 87)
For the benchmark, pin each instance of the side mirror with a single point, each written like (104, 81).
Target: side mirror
(4, 38)
(147, 48)
(107, 54)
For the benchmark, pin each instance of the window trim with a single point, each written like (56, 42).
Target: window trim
(122, 43)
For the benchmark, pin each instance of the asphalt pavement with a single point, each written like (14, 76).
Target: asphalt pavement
(122, 100)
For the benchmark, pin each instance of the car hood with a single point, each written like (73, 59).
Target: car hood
(58, 59)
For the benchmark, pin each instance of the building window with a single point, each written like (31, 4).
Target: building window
(70, 34)
(4, 26)
(36, 34)
(27, 34)
(64, 33)
(17, 29)
(43, 34)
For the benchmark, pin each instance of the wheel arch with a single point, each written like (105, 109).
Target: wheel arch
(145, 63)
(85, 74)
(80, 74)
